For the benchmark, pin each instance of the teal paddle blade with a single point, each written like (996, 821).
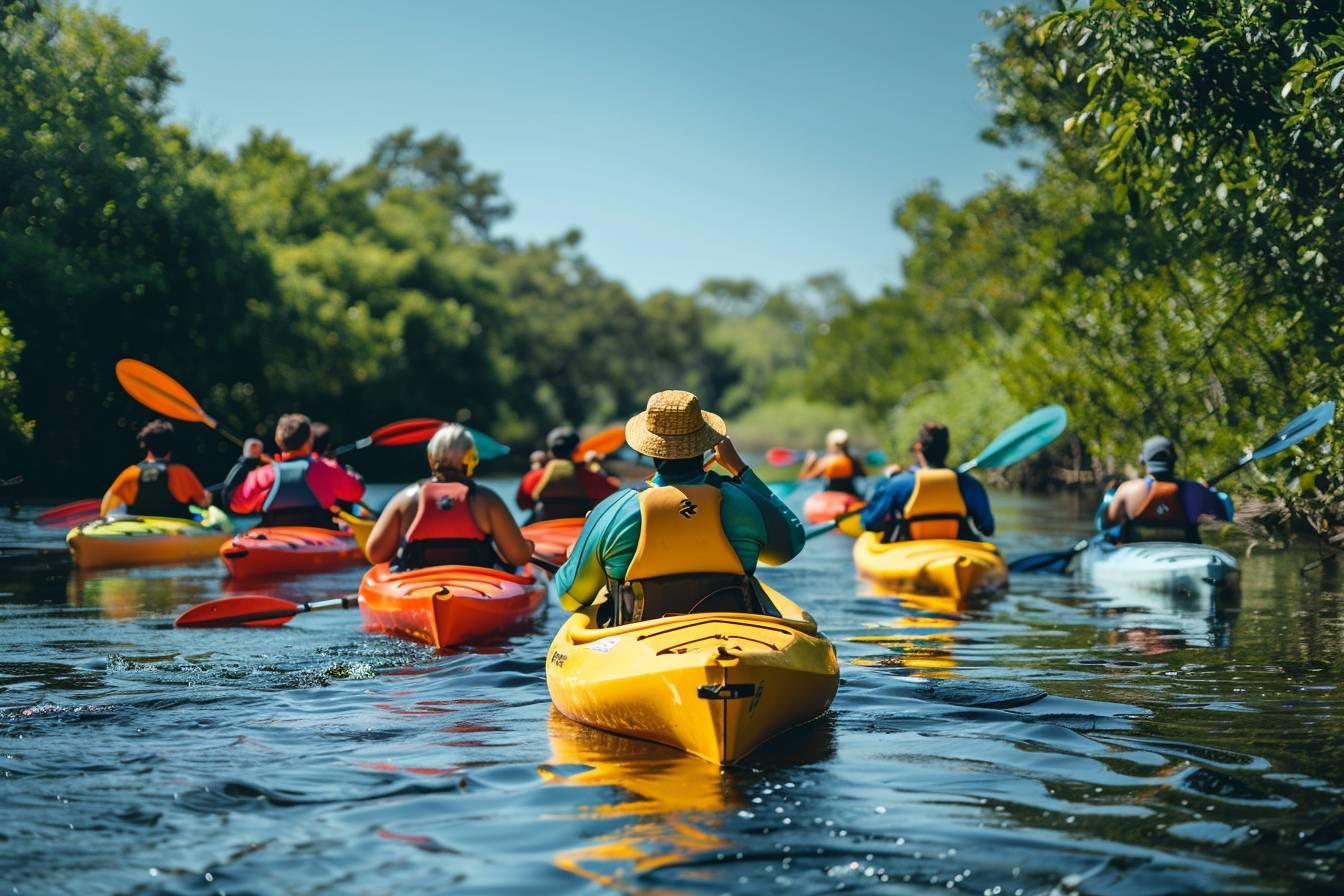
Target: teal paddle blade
(486, 447)
(1024, 438)
(1305, 426)
(875, 458)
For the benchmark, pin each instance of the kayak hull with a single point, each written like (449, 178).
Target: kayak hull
(446, 605)
(936, 566)
(1162, 567)
(286, 550)
(554, 539)
(121, 541)
(715, 685)
(822, 507)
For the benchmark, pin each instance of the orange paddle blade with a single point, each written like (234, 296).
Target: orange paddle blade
(605, 442)
(159, 392)
(245, 609)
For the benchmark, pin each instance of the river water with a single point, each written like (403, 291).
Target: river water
(1056, 740)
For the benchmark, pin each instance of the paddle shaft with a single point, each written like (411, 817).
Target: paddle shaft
(344, 603)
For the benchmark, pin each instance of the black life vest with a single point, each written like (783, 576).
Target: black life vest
(153, 497)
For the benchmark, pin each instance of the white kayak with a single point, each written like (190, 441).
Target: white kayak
(1167, 567)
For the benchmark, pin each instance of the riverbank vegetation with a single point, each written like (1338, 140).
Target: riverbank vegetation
(1169, 261)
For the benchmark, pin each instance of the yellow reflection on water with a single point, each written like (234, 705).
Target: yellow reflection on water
(674, 803)
(925, 641)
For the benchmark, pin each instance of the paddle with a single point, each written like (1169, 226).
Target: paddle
(72, 514)
(1300, 428)
(1023, 439)
(11, 481)
(256, 610)
(604, 442)
(159, 392)
(403, 432)
(786, 457)
(262, 610)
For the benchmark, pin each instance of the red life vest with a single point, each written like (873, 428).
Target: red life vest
(444, 532)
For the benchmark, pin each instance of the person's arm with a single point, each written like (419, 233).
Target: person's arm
(584, 574)
(385, 538)
(784, 535)
(876, 514)
(509, 541)
(125, 483)
(977, 504)
(1117, 511)
(811, 467)
(251, 495)
(347, 484)
(185, 487)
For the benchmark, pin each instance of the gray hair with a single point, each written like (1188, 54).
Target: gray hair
(448, 447)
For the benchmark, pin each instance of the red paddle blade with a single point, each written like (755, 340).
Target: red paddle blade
(245, 609)
(406, 432)
(71, 514)
(782, 457)
(604, 442)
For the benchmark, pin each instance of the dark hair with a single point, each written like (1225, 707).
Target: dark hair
(934, 443)
(157, 437)
(321, 437)
(562, 441)
(291, 431)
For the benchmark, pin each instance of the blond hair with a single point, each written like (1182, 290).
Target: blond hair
(449, 447)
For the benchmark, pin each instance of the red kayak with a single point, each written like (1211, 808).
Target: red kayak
(284, 550)
(446, 605)
(823, 507)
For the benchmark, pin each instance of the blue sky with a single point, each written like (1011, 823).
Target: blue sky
(686, 139)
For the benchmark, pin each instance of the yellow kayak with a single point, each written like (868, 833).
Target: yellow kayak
(947, 567)
(121, 540)
(360, 526)
(716, 685)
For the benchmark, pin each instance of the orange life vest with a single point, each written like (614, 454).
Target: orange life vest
(683, 562)
(1161, 516)
(936, 508)
(444, 532)
(839, 471)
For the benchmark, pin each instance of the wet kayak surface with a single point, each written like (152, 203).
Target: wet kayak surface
(1057, 739)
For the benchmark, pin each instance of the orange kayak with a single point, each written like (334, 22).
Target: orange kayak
(554, 539)
(283, 550)
(822, 507)
(446, 605)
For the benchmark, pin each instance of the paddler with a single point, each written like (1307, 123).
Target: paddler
(689, 541)
(561, 488)
(928, 500)
(297, 488)
(156, 486)
(449, 518)
(837, 467)
(1158, 506)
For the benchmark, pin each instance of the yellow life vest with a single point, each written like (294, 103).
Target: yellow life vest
(684, 562)
(681, 531)
(936, 508)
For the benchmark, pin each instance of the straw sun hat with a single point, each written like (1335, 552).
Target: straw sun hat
(673, 427)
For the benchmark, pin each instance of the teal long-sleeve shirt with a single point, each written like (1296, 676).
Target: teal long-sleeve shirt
(759, 526)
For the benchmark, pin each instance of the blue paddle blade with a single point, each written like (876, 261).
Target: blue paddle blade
(875, 458)
(1305, 426)
(486, 447)
(784, 489)
(1024, 438)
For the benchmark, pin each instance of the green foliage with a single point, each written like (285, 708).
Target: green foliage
(15, 430)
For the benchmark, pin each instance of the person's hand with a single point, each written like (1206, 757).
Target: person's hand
(252, 449)
(892, 469)
(809, 458)
(726, 456)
